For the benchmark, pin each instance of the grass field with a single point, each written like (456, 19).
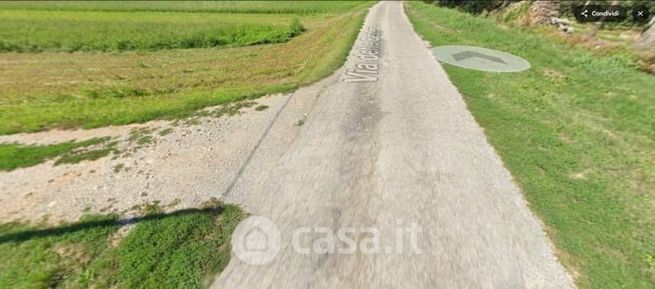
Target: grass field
(183, 249)
(35, 30)
(576, 131)
(45, 90)
(266, 7)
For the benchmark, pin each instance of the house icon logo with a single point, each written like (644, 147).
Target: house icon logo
(256, 241)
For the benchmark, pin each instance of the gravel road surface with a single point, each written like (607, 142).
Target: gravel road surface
(389, 145)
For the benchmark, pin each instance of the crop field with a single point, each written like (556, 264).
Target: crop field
(34, 30)
(91, 64)
(267, 7)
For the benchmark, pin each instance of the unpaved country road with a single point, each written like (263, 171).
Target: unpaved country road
(385, 154)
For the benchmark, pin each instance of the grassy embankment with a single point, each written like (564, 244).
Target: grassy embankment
(184, 249)
(90, 89)
(614, 39)
(576, 131)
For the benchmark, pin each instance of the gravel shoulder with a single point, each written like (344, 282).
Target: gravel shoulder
(186, 162)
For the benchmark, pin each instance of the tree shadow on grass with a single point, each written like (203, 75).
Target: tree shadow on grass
(29, 234)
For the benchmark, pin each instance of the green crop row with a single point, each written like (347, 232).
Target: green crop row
(35, 31)
(267, 7)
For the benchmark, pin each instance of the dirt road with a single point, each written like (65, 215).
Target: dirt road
(392, 145)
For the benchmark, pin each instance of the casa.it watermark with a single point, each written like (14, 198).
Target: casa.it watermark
(257, 240)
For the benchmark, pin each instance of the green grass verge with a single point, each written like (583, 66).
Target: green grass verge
(61, 90)
(35, 31)
(576, 131)
(183, 249)
(13, 156)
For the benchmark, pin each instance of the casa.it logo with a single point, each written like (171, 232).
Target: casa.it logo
(256, 241)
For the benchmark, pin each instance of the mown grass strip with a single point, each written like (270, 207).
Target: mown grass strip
(13, 156)
(183, 249)
(576, 131)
